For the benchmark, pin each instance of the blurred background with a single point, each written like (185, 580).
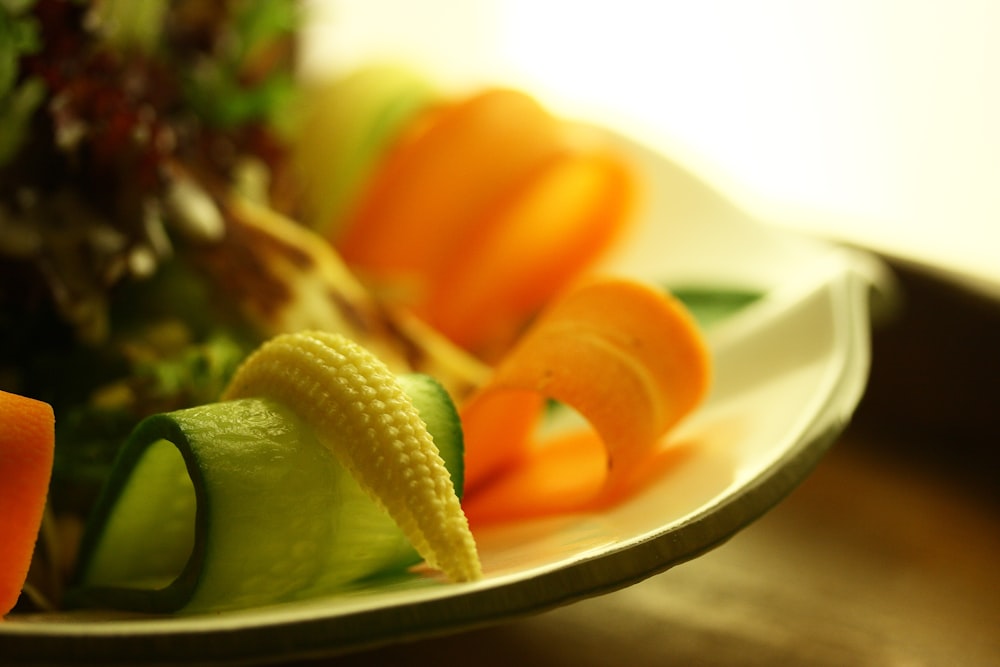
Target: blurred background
(871, 121)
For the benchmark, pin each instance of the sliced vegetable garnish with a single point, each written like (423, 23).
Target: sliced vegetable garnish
(520, 255)
(27, 443)
(628, 358)
(346, 127)
(417, 208)
(358, 409)
(484, 212)
(714, 304)
(242, 503)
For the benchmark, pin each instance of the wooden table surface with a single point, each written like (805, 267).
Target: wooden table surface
(887, 555)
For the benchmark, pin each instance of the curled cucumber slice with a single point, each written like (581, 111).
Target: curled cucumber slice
(236, 504)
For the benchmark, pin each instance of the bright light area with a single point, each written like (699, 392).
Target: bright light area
(874, 121)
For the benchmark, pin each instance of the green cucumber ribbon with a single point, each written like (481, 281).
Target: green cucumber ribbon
(237, 504)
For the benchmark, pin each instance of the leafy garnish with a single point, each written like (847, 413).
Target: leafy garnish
(248, 79)
(18, 36)
(710, 305)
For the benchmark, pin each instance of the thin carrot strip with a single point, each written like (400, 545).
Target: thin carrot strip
(566, 473)
(498, 427)
(27, 441)
(627, 357)
(562, 474)
(434, 182)
(523, 254)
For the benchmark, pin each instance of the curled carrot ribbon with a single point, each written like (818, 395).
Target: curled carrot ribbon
(626, 357)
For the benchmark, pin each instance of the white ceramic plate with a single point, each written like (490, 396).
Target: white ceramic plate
(790, 369)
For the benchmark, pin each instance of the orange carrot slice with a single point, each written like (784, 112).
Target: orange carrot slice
(483, 212)
(562, 474)
(436, 180)
(627, 357)
(565, 473)
(27, 441)
(521, 255)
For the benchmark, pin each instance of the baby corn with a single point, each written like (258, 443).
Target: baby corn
(358, 409)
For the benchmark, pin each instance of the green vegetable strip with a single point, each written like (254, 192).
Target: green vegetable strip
(711, 305)
(237, 504)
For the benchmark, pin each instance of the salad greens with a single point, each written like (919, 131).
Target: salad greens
(18, 98)
(120, 122)
(109, 109)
